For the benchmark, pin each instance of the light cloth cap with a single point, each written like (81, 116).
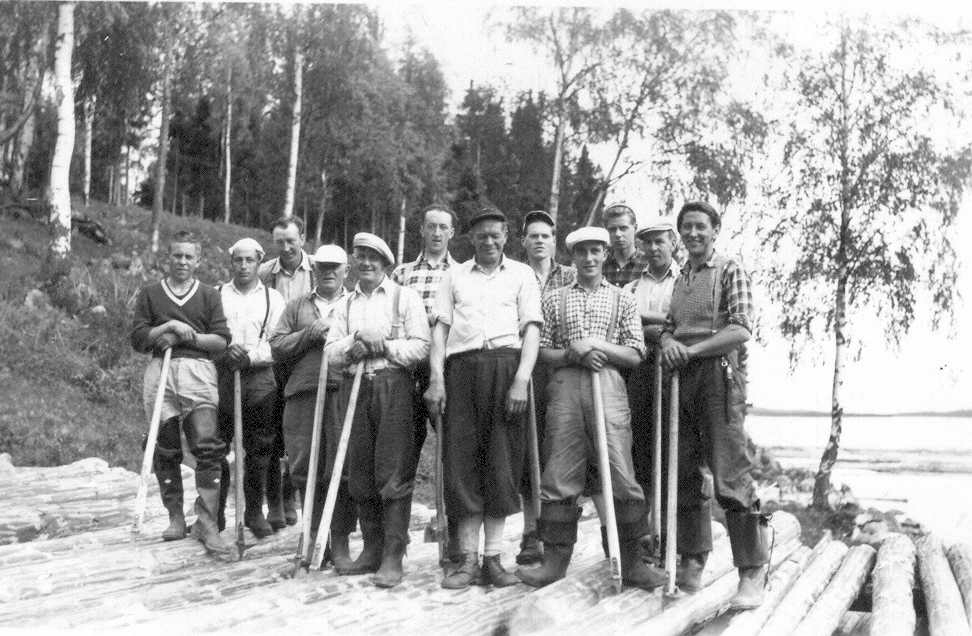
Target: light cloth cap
(375, 242)
(657, 224)
(246, 244)
(330, 254)
(589, 233)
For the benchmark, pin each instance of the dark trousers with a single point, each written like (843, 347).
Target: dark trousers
(259, 402)
(483, 446)
(712, 409)
(381, 457)
(541, 377)
(420, 412)
(205, 443)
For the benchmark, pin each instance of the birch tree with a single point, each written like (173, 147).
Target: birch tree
(869, 197)
(297, 66)
(59, 194)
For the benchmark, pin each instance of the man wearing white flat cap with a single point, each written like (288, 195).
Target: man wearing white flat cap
(298, 341)
(383, 325)
(589, 326)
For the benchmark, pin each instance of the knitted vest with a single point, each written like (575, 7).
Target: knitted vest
(695, 301)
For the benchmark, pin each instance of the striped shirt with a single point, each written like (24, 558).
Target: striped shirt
(587, 315)
(424, 277)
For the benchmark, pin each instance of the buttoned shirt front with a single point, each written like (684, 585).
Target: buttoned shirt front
(405, 348)
(252, 317)
(559, 276)
(290, 285)
(587, 314)
(487, 310)
(424, 277)
(654, 294)
(621, 275)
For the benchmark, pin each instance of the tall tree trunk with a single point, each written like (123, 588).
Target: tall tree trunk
(401, 232)
(319, 232)
(158, 200)
(111, 185)
(298, 63)
(21, 150)
(175, 180)
(59, 203)
(127, 192)
(226, 146)
(554, 206)
(89, 106)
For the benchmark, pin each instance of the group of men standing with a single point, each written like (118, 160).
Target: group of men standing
(460, 344)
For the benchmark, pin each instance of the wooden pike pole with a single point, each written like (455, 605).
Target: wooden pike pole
(302, 558)
(238, 448)
(607, 491)
(324, 528)
(440, 533)
(671, 500)
(656, 458)
(153, 438)
(534, 449)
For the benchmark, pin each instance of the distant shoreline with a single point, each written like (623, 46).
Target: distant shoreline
(797, 413)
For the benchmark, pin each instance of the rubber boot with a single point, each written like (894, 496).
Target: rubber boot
(169, 476)
(466, 572)
(395, 514)
(370, 516)
(275, 508)
(288, 493)
(632, 526)
(688, 573)
(750, 537)
(453, 555)
(604, 542)
(205, 529)
(254, 485)
(529, 549)
(558, 531)
(224, 486)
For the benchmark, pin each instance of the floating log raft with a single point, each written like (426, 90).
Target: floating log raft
(856, 624)
(943, 601)
(892, 598)
(960, 560)
(825, 615)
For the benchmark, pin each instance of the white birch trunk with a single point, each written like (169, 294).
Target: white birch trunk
(89, 107)
(59, 202)
(294, 129)
(226, 147)
(163, 154)
(553, 206)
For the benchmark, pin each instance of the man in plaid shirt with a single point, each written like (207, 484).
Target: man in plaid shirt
(588, 327)
(625, 262)
(710, 320)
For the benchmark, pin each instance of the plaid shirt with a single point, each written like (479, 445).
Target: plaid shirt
(587, 314)
(621, 276)
(560, 276)
(736, 300)
(424, 277)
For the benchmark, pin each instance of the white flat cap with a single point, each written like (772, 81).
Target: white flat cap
(657, 224)
(330, 254)
(246, 244)
(375, 242)
(589, 233)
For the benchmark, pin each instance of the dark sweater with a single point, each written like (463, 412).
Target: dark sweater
(201, 309)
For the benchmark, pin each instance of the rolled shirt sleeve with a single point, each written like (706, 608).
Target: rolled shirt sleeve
(737, 290)
(548, 308)
(629, 324)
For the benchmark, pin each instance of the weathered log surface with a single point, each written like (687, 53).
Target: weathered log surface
(748, 623)
(893, 582)
(805, 591)
(960, 559)
(856, 624)
(943, 601)
(825, 615)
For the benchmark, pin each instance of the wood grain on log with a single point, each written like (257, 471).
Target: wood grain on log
(843, 588)
(893, 582)
(805, 591)
(856, 624)
(960, 560)
(943, 601)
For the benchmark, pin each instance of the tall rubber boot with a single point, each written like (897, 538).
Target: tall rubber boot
(558, 531)
(395, 514)
(275, 510)
(632, 519)
(205, 529)
(688, 573)
(254, 486)
(168, 472)
(370, 517)
(224, 486)
(344, 521)
(751, 538)
(288, 493)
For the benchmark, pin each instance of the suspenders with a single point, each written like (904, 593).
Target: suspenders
(615, 307)
(266, 311)
(396, 324)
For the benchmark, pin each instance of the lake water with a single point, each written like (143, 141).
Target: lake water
(919, 465)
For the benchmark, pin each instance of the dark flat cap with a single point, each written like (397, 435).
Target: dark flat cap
(537, 215)
(486, 214)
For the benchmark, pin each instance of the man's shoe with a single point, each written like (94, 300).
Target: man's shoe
(494, 573)
(556, 558)
(289, 511)
(529, 549)
(340, 552)
(688, 573)
(468, 573)
(177, 527)
(635, 572)
(215, 545)
(749, 595)
(257, 524)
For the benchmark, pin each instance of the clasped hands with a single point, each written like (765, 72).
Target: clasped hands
(586, 353)
(674, 354)
(368, 343)
(175, 332)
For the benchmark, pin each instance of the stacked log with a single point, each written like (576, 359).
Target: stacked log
(748, 623)
(960, 560)
(805, 591)
(825, 615)
(943, 601)
(857, 624)
(893, 577)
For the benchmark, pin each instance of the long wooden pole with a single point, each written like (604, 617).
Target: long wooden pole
(302, 558)
(324, 528)
(441, 535)
(240, 458)
(607, 491)
(656, 457)
(671, 500)
(534, 448)
(153, 438)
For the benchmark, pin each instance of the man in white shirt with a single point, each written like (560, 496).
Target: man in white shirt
(252, 311)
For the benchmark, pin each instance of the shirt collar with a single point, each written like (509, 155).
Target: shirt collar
(672, 270)
(384, 286)
(710, 262)
(304, 264)
(636, 257)
(239, 292)
(576, 284)
(445, 263)
(475, 266)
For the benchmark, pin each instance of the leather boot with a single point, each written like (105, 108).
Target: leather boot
(396, 514)
(224, 486)
(750, 537)
(558, 531)
(205, 528)
(632, 526)
(465, 574)
(495, 574)
(688, 573)
(370, 516)
(340, 552)
(275, 509)
(254, 485)
(529, 549)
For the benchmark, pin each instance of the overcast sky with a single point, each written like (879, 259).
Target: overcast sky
(931, 371)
